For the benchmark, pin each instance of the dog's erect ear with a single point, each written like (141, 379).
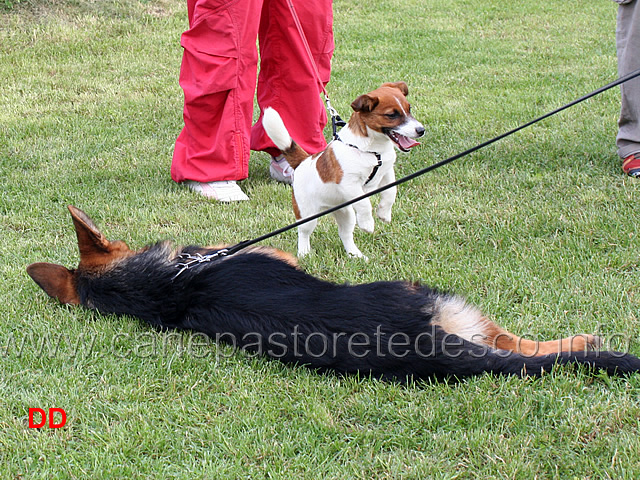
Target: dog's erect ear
(402, 86)
(90, 240)
(95, 250)
(365, 103)
(55, 280)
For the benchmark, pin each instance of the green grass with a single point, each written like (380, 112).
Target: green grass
(538, 230)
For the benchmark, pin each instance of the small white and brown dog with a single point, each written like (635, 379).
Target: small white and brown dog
(360, 160)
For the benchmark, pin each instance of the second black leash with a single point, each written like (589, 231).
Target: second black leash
(244, 244)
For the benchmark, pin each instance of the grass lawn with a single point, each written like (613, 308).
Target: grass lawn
(538, 230)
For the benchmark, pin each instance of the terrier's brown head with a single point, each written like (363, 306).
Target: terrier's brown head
(386, 110)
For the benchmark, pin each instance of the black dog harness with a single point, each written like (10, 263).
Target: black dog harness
(377, 155)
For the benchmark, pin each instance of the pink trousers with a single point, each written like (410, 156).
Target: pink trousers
(218, 77)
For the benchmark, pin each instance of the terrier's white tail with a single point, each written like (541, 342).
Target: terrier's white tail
(279, 135)
(274, 126)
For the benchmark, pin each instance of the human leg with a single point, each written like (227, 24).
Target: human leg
(628, 49)
(287, 81)
(218, 76)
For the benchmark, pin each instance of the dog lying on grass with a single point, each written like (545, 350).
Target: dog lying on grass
(260, 301)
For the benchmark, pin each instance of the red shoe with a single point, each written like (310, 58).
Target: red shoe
(631, 165)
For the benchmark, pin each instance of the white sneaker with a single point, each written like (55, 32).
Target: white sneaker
(280, 170)
(228, 191)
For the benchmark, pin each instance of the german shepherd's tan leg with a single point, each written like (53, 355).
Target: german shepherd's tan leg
(503, 340)
(455, 316)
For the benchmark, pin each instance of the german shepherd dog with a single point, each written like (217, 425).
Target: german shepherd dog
(260, 301)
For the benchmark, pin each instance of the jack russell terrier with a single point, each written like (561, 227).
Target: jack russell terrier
(360, 160)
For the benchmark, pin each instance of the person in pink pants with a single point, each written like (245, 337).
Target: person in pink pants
(218, 76)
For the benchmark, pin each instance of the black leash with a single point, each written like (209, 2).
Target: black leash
(247, 243)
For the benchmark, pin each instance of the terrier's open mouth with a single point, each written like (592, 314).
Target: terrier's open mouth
(404, 143)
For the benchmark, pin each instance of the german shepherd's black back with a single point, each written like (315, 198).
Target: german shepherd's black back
(260, 301)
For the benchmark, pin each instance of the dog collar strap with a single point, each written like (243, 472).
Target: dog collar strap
(189, 260)
(376, 154)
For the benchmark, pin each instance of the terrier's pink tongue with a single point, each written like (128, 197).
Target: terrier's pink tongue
(406, 142)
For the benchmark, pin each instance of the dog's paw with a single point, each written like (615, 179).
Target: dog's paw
(384, 214)
(587, 342)
(358, 254)
(303, 251)
(368, 225)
